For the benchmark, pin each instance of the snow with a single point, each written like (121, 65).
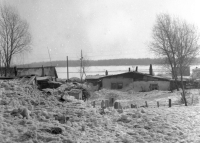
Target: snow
(28, 115)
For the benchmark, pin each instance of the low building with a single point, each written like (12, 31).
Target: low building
(94, 81)
(45, 77)
(138, 81)
(38, 71)
(196, 73)
(29, 71)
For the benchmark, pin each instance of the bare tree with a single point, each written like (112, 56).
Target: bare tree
(176, 42)
(187, 48)
(14, 35)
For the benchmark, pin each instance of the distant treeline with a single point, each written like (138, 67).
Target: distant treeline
(110, 62)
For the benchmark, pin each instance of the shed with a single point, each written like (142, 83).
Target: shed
(94, 81)
(37, 71)
(135, 80)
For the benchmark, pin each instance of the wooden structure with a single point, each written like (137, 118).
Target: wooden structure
(36, 71)
(139, 81)
(77, 93)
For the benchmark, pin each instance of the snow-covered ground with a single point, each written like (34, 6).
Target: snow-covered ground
(27, 115)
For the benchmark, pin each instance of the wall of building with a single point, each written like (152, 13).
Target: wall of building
(139, 85)
(106, 82)
(145, 85)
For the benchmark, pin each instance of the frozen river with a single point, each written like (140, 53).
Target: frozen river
(95, 70)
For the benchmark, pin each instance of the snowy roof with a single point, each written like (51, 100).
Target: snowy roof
(94, 76)
(136, 73)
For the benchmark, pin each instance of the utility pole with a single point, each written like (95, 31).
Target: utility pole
(84, 71)
(81, 68)
(67, 69)
(49, 56)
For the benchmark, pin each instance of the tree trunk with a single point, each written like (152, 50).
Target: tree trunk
(174, 76)
(184, 97)
(176, 83)
(183, 88)
(5, 71)
(7, 67)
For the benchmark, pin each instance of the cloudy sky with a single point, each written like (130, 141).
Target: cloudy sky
(103, 29)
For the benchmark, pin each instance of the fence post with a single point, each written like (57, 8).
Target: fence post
(146, 103)
(116, 105)
(170, 103)
(111, 103)
(106, 103)
(102, 104)
(93, 104)
(131, 105)
(158, 103)
(119, 105)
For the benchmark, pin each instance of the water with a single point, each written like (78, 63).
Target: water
(95, 70)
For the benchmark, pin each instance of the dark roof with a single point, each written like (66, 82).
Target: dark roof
(35, 67)
(159, 77)
(135, 74)
(113, 75)
(43, 78)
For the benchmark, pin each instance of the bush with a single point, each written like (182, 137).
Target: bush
(190, 98)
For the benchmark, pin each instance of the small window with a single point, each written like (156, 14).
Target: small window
(116, 85)
(153, 86)
(119, 85)
(113, 85)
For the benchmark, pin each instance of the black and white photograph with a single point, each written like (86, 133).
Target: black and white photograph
(99, 71)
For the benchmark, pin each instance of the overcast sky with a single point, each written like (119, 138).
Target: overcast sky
(103, 29)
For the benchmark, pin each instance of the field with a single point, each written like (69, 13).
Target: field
(30, 116)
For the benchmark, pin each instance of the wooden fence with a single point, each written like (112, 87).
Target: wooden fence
(117, 105)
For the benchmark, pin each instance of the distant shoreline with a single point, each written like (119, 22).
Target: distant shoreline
(110, 62)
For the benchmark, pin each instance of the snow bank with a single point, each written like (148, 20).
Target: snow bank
(28, 115)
